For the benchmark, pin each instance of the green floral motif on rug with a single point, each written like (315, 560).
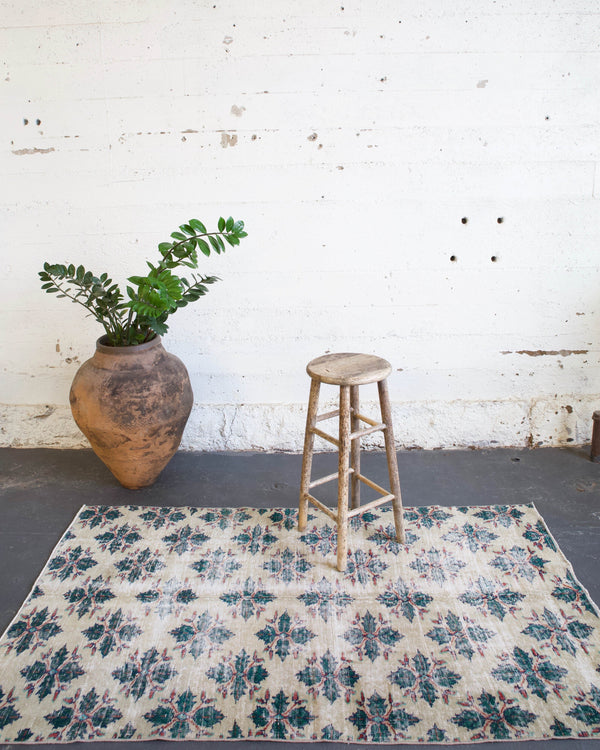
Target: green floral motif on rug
(227, 623)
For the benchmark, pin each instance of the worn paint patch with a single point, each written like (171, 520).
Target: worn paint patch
(549, 352)
(49, 410)
(26, 151)
(228, 140)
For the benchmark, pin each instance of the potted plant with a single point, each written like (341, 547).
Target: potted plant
(132, 399)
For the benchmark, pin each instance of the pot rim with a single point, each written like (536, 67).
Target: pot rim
(122, 351)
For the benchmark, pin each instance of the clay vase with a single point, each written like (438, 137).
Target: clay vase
(132, 403)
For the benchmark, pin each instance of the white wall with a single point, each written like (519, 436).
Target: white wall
(352, 137)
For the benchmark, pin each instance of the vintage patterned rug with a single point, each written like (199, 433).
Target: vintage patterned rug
(224, 623)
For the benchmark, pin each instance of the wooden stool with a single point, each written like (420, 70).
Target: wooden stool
(349, 371)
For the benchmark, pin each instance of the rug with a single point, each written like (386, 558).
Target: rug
(227, 623)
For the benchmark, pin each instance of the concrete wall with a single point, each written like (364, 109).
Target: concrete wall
(355, 139)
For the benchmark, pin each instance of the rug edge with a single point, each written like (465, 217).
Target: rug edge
(41, 572)
(568, 563)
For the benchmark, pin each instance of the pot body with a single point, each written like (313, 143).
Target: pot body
(132, 403)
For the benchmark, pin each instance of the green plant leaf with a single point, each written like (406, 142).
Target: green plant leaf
(159, 327)
(172, 284)
(198, 226)
(204, 248)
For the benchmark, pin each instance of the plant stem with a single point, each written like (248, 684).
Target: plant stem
(79, 302)
(166, 258)
(128, 327)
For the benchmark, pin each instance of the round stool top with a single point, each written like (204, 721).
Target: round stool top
(348, 369)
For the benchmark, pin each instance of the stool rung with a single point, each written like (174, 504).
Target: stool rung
(320, 506)
(328, 415)
(367, 431)
(370, 483)
(368, 506)
(362, 418)
(325, 436)
(328, 478)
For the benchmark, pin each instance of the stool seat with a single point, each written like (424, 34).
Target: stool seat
(345, 368)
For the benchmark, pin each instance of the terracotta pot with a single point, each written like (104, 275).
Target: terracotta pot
(132, 403)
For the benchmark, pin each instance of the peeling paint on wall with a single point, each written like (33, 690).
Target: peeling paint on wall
(45, 414)
(549, 352)
(280, 427)
(228, 139)
(26, 151)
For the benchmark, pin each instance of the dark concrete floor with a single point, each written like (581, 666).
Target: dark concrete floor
(41, 490)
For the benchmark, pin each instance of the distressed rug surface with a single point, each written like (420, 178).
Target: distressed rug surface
(195, 623)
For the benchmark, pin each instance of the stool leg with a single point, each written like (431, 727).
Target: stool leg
(355, 448)
(390, 449)
(309, 440)
(343, 466)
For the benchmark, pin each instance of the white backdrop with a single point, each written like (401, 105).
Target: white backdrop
(353, 139)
